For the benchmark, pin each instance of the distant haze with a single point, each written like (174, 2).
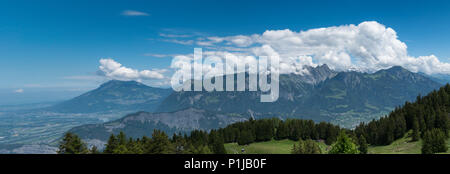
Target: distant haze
(9, 97)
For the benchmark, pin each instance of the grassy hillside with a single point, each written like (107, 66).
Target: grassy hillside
(268, 147)
(400, 146)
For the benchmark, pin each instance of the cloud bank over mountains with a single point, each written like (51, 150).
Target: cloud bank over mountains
(367, 47)
(114, 70)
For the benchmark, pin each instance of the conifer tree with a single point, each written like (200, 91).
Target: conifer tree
(160, 143)
(112, 144)
(416, 131)
(434, 141)
(72, 144)
(245, 138)
(363, 147)
(282, 131)
(216, 143)
(306, 147)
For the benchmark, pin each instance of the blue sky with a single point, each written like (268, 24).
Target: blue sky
(48, 46)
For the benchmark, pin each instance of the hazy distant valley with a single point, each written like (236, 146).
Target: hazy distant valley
(42, 128)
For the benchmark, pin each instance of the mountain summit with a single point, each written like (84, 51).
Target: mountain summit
(317, 74)
(115, 95)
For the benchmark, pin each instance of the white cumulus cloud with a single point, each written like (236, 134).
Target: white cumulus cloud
(114, 70)
(367, 47)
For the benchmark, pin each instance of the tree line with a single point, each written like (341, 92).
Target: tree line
(204, 142)
(260, 130)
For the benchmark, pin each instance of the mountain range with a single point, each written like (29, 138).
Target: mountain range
(345, 98)
(321, 94)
